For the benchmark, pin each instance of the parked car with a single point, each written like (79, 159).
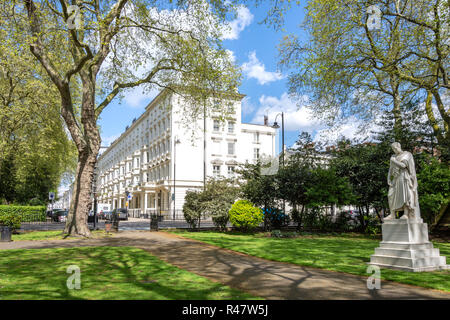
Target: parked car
(61, 216)
(54, 214)
(105, 215)
(122, 213)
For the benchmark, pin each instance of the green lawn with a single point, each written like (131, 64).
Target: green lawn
(52, 235)
(342, 253)
(106, 273)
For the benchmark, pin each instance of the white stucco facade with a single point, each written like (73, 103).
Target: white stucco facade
(145, 160)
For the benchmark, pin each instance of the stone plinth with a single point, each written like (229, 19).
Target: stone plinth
(405, 246)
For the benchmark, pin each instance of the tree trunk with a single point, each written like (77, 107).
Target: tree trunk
(87, 141)
(76, 223)
(431, 118)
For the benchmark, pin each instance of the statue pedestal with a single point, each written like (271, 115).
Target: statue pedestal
(405, 246)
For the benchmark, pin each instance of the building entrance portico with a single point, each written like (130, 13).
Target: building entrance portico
(144, 203)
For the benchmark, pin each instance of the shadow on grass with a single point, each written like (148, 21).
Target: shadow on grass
(106, 273)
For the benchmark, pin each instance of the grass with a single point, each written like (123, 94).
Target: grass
(52, 235)
(106, 273)
(342, 253)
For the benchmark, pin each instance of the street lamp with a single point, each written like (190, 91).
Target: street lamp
(174, 171)
(276, 126)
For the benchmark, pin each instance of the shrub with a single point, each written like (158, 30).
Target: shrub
(10, 219)
(245, 216)
(373, 225)
(13, 216)
(274, 216)
(220, 221)
(192, 208)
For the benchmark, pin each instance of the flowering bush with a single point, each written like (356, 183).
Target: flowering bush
(245, 216)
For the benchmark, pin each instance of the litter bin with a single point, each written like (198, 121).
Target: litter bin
(5, 234)
(154, 222)
(108, 225)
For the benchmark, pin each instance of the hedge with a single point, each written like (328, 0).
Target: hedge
(13, 216)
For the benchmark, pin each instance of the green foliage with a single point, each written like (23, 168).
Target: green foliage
(373, 226)
(192, 208)
(365, 165)
(305, 180)
(214, 200)
(36, 202)
(218, 197)
(35, 151)
(433, 187)
(245, 216)
(262, 190)
(13, 215)
(347, 69)
(10, 219)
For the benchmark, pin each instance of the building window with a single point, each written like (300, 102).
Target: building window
(231, 148)
(256, 137)
(256, 153)
(216, 147)
(230, 127)
(216, 125)
(216, 171)
(230, 171)
(137, 162)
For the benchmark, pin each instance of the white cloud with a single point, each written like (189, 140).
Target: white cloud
(138, 97)
(231, 55)
(106, 141)
(296, 116)
(233, 28)
(255, 69)
(247, 106)
(351, 128)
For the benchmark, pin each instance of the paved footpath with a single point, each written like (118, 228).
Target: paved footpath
(260, 277)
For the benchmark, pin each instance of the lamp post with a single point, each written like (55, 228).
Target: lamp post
(177, 141)
(276, 126)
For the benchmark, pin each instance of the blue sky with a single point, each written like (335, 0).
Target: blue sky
(254, 46)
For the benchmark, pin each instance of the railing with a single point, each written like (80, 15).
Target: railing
(165, 215)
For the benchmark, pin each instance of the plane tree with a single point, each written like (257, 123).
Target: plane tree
(109, 47)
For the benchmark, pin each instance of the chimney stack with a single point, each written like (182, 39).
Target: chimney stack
(266, 120)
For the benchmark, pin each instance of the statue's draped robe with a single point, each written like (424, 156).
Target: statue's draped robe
(403, 181)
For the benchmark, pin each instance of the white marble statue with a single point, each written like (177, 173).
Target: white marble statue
(402, 183)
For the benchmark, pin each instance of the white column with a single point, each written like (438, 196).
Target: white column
(145, 201)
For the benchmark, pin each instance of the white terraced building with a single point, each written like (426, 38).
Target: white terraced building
(146, 162)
